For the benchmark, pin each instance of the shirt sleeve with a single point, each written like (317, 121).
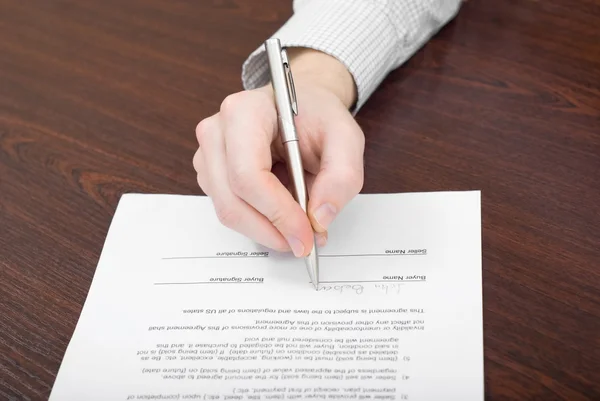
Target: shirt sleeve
(370, 37)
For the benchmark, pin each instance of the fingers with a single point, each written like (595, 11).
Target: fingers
(281, 173)
(210, 161)
(250, 126)
(341, 173)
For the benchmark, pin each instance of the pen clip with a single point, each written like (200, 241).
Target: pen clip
(289, 81)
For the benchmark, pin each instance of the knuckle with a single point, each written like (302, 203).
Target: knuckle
(232, 102)
(203, 128)
(352, 178)
(227, 215)
(197, 160)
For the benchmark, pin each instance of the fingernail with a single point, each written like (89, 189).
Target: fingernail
(296, 245)
(324, 215)
(321, 239)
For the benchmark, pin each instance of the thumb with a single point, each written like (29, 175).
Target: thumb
(340, 177)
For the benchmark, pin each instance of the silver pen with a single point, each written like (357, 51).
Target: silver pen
(287, 107)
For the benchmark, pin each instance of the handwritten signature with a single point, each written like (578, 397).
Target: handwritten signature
(341, 288)
(358, 289)
(392, 288)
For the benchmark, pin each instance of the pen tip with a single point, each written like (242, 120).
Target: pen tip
(312, 266)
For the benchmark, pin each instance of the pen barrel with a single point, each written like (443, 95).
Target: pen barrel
(281, 92)
(296, 173)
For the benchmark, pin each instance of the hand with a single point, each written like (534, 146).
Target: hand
(240, 160)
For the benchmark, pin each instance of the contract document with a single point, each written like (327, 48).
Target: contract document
(182, 308)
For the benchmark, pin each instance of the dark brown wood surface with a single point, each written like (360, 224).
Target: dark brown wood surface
(98, 98)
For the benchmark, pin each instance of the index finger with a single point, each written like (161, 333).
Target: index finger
(250, 127)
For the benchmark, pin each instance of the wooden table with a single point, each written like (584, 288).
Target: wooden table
(98, 98)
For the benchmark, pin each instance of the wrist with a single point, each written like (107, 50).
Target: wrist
(321, 69)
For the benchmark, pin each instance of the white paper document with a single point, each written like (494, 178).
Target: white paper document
(182, 308)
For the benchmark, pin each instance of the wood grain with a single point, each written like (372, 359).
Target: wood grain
(102, 98)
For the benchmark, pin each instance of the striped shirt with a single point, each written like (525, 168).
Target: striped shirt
(370, 37)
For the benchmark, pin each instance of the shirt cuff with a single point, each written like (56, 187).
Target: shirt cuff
(357, 33)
